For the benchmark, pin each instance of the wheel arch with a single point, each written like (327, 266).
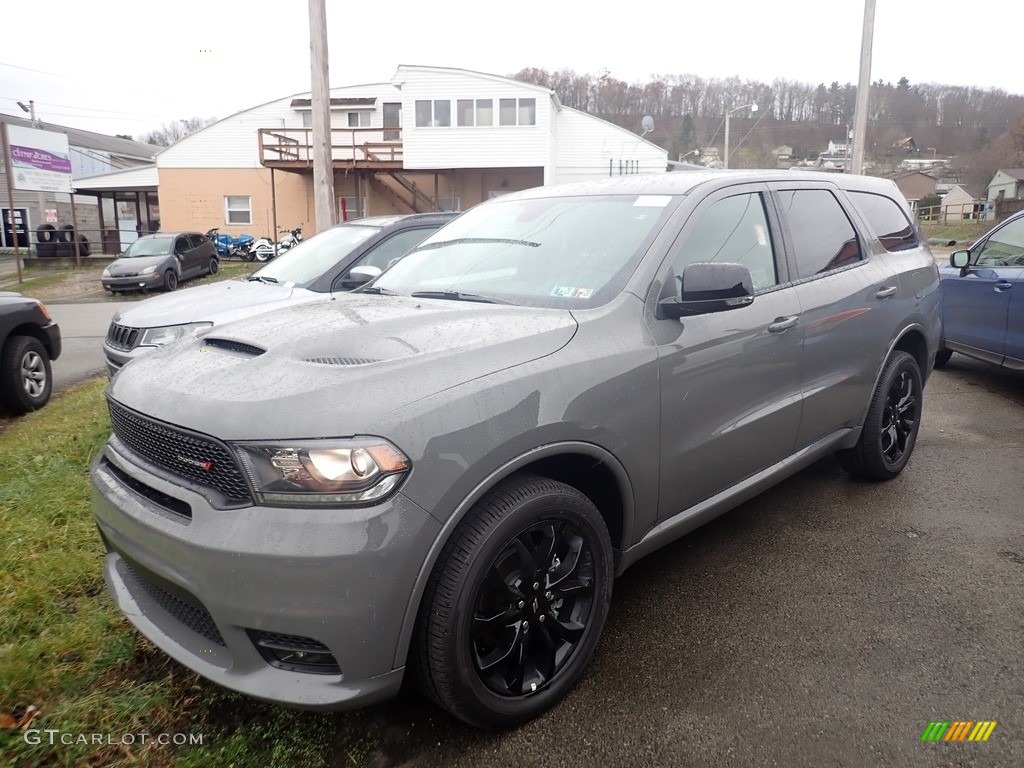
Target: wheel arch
(29, 329)
(592, 470)
(912, 339)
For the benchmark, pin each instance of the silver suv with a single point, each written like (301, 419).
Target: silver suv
(446, 469)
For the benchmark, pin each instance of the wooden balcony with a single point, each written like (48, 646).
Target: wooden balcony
(291, 149)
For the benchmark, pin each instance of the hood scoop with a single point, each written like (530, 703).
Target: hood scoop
(341, 360)
(230, 345)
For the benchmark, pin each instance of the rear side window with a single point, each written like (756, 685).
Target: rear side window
(197, 240)
(823, 237)
(887, 219)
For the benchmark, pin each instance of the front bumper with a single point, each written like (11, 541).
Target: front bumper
(53, 340)
(341, 578)
(116, 359)
(134, 283)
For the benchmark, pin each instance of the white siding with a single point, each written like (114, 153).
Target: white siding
(585, 144)
(234, 141)
(496, 146)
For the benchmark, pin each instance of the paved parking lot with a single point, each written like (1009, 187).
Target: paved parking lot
(823, 624)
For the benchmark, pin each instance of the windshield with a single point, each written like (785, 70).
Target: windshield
(148, 246)
(566, 252)
(311, 258)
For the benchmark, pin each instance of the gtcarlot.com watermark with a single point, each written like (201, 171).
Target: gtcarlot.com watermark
(55, 737)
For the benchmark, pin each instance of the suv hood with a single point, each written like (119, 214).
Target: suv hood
(135, 264)
(333, 368)
(216, 302)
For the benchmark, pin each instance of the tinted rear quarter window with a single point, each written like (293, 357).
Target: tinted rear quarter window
(823, 237)
(887, 219)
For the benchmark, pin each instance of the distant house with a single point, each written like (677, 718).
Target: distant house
(907, 145)
(840, 148)
(783, 154)
(914, 185)
(1008, 183)
(964, 203)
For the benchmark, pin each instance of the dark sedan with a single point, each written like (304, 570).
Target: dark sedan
(161, 261)
(29, 340)
(982, 293)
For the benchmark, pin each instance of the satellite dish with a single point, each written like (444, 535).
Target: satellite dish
(647, 123)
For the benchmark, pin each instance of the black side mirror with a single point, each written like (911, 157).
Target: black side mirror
(961, 260)
(709, 287)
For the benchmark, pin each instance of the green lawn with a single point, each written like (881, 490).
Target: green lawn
(964, 233)
(65, 649)
(33, 281)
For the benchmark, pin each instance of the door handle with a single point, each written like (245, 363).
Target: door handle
(1003, 285)
(783, 324)
(885, 293)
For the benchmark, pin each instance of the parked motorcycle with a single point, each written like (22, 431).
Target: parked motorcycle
(264, 249)
(228, 246)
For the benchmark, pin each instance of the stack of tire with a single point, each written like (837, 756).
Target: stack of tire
(51, 241)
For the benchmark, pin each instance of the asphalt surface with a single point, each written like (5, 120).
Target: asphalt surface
(82, 328)
(825, 623)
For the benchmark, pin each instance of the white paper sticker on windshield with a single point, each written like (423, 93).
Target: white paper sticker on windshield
(563, 291)
(762, 237)
(652, 201)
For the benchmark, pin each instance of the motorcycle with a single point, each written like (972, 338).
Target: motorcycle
(228, 246)
(265, 249)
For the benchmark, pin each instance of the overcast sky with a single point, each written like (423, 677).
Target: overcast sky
(125, 67)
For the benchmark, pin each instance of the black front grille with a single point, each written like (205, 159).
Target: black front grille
(122, 337)
(295, 653)
(187, 454)
(159, 498)
(192, 614)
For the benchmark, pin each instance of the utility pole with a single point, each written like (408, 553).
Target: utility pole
(320, 103)
(726, 158)
(860, 115)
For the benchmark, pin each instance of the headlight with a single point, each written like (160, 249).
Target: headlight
(148, 270)
(157, 337)
(106, 271)
(322, 472)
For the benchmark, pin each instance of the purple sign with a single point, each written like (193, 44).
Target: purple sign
(40, 158)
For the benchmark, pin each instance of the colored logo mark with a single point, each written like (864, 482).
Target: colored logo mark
(958, 730)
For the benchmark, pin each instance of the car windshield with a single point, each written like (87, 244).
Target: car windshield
(564, 252)
(148, 246)
(311, 258)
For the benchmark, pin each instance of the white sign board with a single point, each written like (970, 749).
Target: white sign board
(40, 160)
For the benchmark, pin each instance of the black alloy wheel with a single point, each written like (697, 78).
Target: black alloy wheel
(515, 604)
(893, 420)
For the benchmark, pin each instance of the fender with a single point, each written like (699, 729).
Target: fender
(413, 606)
(878, 374)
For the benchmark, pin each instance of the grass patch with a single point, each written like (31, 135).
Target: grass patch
(65, 648)
(964, 233)
(31, 284)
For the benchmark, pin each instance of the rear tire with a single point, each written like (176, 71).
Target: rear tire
(170, 280)
(894, 418)
(26, 378)
(516, 603)
(942, 357)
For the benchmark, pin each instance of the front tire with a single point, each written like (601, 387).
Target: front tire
(516, 603)
(26, 378)
(893, 420)
(170, 280)
(214, 266)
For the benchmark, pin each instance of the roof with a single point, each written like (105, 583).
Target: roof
(367, 101)
(974, 193)
(532, 86)
(89, 140)
(1017, 173)
(142, 179)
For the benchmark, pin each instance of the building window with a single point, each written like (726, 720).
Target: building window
(449, 203)
(307, 119)
(437, 113)
(358, 119)
(478, 112)
(517, 112)
(237, 209)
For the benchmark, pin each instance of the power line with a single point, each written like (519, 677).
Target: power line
(29, 69)
(72, 106)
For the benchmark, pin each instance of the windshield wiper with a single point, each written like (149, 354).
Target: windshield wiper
(376, 289)
(457, 296)
(262, 279)
(461, 240)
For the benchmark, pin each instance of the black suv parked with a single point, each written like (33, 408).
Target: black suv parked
(29, 340)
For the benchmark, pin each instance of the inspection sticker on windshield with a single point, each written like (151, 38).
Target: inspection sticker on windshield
(652, 201)
(569, 292)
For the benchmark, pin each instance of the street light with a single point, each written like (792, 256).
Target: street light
(728, 113)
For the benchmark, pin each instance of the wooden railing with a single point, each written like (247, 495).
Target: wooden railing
(364, 147)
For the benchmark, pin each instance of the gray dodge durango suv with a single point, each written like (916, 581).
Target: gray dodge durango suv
(445, 470)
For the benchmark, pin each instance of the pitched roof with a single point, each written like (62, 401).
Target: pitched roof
(1017, 173)
(90, 140)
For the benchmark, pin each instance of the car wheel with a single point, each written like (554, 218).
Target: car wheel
(170, 280)
(214, 266)
(26, 379)
(894, 418)
(515, 604)
(942, 357)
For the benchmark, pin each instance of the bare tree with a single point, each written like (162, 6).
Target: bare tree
(175, 131)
